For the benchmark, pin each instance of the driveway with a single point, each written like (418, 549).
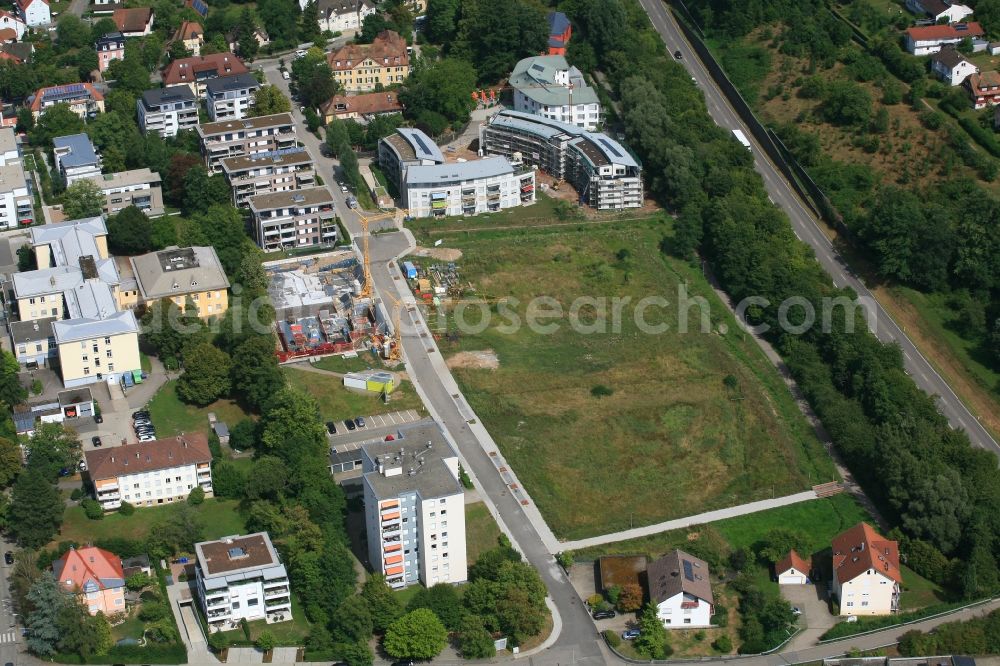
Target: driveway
(815, 618)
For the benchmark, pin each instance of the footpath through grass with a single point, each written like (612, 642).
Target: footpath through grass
(621, 426)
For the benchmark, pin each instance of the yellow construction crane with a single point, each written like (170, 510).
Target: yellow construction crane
(366, 288)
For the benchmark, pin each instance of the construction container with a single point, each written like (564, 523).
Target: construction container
(410, 269)
(356, 380)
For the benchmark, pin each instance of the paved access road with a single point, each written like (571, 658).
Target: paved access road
(807, 229)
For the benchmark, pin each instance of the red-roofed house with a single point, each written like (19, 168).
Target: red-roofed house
(192, 35)
(929, 39)
(10, 22)
(866, 575)
(83, 99)
(984, 89)
(34, 12)
(195, 72)
(793, 569)
(364, 107)
(137, 22)
(95, 575)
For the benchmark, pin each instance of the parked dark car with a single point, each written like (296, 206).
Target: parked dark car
(8, 557)
(98, 418)
(142, 413)
(95, 440)
(331, 427)
(603, 614)
(630, 634)
(349, 424)
(678, 55)
(360, 422)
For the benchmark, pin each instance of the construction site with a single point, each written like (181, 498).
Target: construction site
(324, 305)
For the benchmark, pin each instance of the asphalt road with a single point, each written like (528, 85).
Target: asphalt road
(806, 228)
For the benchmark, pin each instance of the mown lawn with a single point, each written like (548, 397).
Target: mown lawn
(171, 417)
(363, 361)
(481, 531)
(286, 634)
(219, 517)
(337, 403)
(543, 211)
(621, 423)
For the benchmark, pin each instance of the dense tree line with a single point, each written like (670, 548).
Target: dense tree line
(924, 475)
(980, 635)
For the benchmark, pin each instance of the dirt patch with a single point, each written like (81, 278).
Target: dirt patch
(439, 253)
(479, 360)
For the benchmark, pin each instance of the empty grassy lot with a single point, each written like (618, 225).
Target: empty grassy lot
(612, 426)
(172, 417)
(337, 402)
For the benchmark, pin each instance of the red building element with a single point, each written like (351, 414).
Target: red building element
(560, 31)
(984, 89)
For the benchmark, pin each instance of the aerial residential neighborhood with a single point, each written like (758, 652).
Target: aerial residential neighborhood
(594, 332)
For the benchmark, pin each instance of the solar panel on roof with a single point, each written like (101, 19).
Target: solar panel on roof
(611, 148)
(420, 142)
(199, 7)
(58, 92)
(688, 571)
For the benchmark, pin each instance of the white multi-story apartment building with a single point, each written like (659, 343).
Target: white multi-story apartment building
(342, 15)
(405, 148)
(250, 136)
(414, 508)
(230, 97)
(167, 111)
(150, 473)
(241, 577)
(293, 219)
(280, 171)
(75, 157)
(34, 12)
(547, 86)
(15, 197)
(9, 154)
(604, 173)
(138, 187)
(866, 575)
(466, 188)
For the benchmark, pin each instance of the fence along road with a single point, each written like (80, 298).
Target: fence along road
(804, 223)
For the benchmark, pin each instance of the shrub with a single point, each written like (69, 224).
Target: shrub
(612, 638)
(36, 387)
(565, 559)
(92, 508)
(126, 509)
(265, 642)
(196, 496)
(595, 600)
(217, 642)
(612, 594)
(601, 391)
(245, 626)
(76, 494)
(723, 644)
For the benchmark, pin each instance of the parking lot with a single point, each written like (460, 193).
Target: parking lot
(815, 618)
(374, 424)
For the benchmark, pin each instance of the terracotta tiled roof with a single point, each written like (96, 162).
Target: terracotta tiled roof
(861, 548)
(143, 457)
(36, 102)
(132, 20)
(24, 4)
(793, 560)
(387, 45)
(980, 80)
(8, 35)
(189, 30)
(185, 69)
(935, 32)
(379, 102)
(89, 570)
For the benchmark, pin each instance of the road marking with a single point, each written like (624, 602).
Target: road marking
(8, 637)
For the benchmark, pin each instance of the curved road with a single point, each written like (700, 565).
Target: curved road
(807, 229)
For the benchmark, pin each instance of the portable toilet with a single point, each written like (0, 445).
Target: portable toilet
(411, 270)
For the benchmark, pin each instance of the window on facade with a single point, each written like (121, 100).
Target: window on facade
(108, 354)
(687, 620)
(86, 371)
(236, 605)
(253, 602)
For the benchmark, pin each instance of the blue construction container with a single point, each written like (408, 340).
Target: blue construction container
(411, 270)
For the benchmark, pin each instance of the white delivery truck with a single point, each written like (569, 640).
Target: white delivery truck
(742, 138)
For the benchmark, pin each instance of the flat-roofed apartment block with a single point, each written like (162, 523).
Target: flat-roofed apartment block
(77, 284)
(250, 136)
(264, 173)
(75, 157)
(16, 201)
(167, 111)
(230, 97)
(138, 187)
(183, 274)
(467, 188)
(294, 219)
(9, 153)
(604, 173)
(414, 508)
(241, 577)
(151, 473)
(403, 149)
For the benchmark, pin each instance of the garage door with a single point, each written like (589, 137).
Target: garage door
(790, 579)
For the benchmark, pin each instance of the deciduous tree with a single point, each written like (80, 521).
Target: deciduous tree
(82, 199)
(418, 634)
(206, 374)
(130, 232)
(269, 100)
(383, 604)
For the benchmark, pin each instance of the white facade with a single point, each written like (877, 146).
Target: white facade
(241, 577)
(684, 611)
(9, 153)
(161, 486)
(9, 21)
(34, 12)
(230, 97)
(939, 10)
(870, 593)
(954, 76)
(792, 576)
(466, 188)
(168, 116)
(15, 197)
(586, 116)
(342, 15)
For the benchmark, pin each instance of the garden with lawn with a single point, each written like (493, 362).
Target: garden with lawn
(336, 402)
(620, 428)
(171, 416)
(220, 518)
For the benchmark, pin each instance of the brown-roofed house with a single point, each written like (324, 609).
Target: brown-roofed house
(984, 89)
(196, 71)
(792, 569)
(866, 575)
(680, 588)
(151, 473)
(192, 35)
(365, 106)
(137, 22)
(359, 67)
